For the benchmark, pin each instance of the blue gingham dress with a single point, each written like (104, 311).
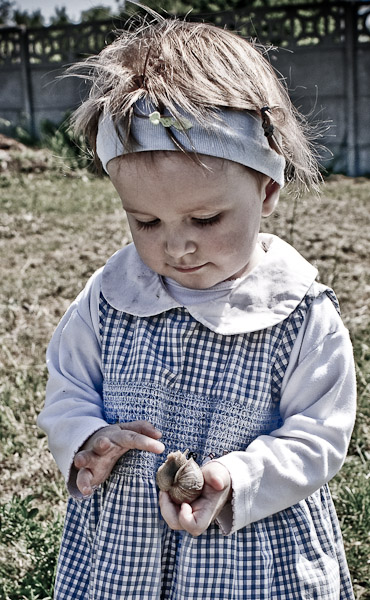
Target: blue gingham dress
(210, 393)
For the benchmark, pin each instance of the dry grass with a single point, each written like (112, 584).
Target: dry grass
(57, 228)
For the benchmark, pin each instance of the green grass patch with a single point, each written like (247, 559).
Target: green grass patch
(56, 229)
(28, 547)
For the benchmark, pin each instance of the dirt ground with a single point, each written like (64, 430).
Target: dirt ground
(57, 226)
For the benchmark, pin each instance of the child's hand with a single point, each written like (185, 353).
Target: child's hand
(196, 517)
(100, 452)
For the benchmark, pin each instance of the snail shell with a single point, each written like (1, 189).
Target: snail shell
(181, 477)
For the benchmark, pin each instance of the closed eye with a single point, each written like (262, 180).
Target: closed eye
(207, 221)
(146, 224)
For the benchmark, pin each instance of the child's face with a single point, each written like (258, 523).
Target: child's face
(196, 226)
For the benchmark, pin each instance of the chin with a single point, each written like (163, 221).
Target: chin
(200, 284)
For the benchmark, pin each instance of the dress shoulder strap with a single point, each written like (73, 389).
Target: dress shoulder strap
(318, 289)
(289, 332)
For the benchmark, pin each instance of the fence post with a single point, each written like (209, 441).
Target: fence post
(27, 82)
(351, 32)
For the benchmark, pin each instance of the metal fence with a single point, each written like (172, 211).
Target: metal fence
(321, 50)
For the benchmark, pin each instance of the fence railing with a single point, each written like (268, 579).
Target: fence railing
(27, 55)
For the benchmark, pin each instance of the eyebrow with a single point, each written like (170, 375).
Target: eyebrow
(135, 212)
(212, 205)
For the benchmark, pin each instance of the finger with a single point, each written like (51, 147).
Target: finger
(85, 458)
(169, 511)
(186, 516)
(102, 445)
(130, 440)
(216, 476)
(216, 482)
(191, 521)
(143, 427)
(90, 458)
(84, 481)
(80, 460)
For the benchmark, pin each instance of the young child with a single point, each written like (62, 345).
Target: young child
(203, 334)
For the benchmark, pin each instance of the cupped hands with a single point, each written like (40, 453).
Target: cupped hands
(196, 517)
(98, 455)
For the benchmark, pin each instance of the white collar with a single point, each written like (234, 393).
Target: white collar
(267, 296)
(189, 297)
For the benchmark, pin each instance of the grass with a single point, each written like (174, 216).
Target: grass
(28, 564)
(56, 229)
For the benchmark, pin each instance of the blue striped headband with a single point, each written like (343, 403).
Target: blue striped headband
(236, 135)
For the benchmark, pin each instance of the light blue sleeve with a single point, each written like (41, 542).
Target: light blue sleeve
(318, 406)
(73, 408)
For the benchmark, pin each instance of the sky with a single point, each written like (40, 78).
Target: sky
(74, 7)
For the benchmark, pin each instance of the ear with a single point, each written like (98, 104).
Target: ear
(271, 192)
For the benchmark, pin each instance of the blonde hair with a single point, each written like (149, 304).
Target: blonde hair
(200, 68)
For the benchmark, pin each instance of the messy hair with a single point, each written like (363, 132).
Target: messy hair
(200, 68)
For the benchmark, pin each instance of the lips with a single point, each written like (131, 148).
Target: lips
(187, 269)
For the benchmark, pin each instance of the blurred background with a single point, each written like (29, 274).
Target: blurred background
(320, 49)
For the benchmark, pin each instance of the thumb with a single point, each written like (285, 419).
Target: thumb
(216, 476)
(216, 482)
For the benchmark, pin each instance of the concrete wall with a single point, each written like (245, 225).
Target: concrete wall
(325, 61)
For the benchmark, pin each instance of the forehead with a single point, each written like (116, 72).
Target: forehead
(176, 165)
(163, 161)
(170, 181)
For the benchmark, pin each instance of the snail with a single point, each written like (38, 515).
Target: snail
(181, 477)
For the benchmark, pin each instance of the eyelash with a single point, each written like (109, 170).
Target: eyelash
(143, 225)
(208, 221)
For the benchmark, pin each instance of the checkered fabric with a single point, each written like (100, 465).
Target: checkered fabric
(209, 393)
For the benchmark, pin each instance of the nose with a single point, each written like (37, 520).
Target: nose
(178, 243)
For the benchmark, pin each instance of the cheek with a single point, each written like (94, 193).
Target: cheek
(236, 247)
(229, 241)
(144, 243)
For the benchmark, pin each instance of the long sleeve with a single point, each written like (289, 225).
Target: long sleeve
(73, 408)
(318, 404)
